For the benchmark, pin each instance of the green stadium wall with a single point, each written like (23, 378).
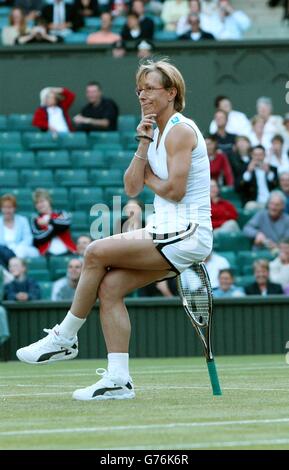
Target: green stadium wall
(242, 70)
(160, 328)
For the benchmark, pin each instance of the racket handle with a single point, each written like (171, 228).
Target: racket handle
(214, 377)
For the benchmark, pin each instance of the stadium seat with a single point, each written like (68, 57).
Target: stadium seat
(128, 140)
(104, 138)
(20, 122)
(146, 196)
(9, 178)
(37, 178)
(39, 274)
(74, 140)
(53, 159)
(127, 123)
(165, 36)
(15, 160)
(59, 198)
(106, 177)
(10, 141)
(3, 123)
(46, 290)
(58, 266)
(231, 257)
(76, 38)
(92, 23)
(79, 221)
(244, 217)
(110, 192)
(39, 262)
(88, 159)
(71, 177)
(120, 160)
(85, 198)
(243, 281)
(23, 196)
(231, 242)
(40, 141)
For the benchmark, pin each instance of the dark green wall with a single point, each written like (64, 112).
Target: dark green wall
(243, 71)
(160, 327)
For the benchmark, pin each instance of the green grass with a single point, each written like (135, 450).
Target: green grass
(174, 407)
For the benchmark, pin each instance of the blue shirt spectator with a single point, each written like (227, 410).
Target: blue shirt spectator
(226, 286)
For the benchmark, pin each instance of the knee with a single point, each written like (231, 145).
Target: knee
(109, 289)
(93, 255)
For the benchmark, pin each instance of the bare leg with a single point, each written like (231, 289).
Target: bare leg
(114, 317)
(128, 251)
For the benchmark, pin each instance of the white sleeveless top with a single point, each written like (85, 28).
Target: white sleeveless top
(195, 207)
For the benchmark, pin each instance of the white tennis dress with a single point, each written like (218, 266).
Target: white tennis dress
(182, 231)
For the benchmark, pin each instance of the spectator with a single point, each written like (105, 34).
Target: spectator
(172, 11)
(61, 18)
(22, 288)
(53, 115)
(86, 8)
(82, 243)
(39, 34)
(132, 218)
(240, 159)
(224, 214)
(208, 21)
(269, 226)
(238, 123)
(262, 285)
(104, 35)
(146, 24)
(51, 229)
(118, 49)
(278, 158)
(273, 123)
(64, 288)
(279, 267)
(214, 264)
(31, 8)
(234, 23)
(15, 233)
(226, 141)
(257, 181)
(100, 113)
(195, 33)
(284, 186)
(227, 287)
(257, 135)
(219, 164)
(17, 27)
(132, 29)
(144, 49)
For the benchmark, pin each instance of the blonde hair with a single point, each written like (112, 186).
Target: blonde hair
(261, 263)
(41, 193)
(8, 198)
(170, 78)
(22, 28)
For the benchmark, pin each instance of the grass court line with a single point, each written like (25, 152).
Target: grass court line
(142, 427)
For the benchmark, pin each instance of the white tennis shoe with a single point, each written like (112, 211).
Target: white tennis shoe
(52, 348)
(108, 388)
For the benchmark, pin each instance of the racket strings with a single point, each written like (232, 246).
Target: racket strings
(194, 293)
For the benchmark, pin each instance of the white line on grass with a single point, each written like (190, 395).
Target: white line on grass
(144, 427)
(201, 445)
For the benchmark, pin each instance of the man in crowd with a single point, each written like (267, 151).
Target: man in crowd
(99, 114)
(64, 288)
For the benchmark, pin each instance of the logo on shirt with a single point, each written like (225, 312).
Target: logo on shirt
(175, 120)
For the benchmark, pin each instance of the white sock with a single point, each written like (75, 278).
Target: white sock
(70, 325)
(118, 364)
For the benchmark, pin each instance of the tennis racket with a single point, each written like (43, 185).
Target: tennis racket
(194, 288)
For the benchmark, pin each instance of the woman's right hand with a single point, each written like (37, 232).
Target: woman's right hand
(145, 127)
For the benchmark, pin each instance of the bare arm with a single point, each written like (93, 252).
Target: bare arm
(180, 142)
(134, 175)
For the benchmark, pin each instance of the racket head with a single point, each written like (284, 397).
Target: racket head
(195, 291)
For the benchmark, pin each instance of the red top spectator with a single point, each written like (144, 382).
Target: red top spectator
(219, 164)
(51, 229)
(52, 115)
(222, 210)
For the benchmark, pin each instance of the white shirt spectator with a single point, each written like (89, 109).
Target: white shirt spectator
(281, 164)
(214, 265)
(56, 119)
(233, 26)
(57, 286)
(265, 140)
(172, 11)
(238, 124)
(208, 23)
(273, 125)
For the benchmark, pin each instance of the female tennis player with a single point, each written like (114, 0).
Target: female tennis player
(171, 160)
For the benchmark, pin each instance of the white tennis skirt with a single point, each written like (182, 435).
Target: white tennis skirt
(184, 248)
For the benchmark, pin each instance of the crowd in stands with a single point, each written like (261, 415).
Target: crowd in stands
(131, 21)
